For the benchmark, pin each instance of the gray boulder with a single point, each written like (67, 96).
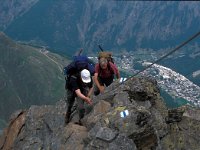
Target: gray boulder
(127, 116)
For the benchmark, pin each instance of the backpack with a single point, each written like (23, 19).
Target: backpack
(76, 66)
(107, 55)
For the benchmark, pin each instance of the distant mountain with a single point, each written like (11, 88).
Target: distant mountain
(11, 10)
(117, 25)
(28, 76)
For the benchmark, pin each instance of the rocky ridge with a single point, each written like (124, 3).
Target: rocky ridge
(148, 125)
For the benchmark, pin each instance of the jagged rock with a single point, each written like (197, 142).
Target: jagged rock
(182, 135)
(13, 130)
(174, 115)
(130, 116)
(73, 136)
(145, 138)
(100, 108)
(106, 134)
(121, 99)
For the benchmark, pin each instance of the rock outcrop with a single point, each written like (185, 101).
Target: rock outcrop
(146, 124)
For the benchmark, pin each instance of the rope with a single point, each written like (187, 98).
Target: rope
(171, 52)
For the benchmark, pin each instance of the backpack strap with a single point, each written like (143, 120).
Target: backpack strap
(74, 76)
(67, 80)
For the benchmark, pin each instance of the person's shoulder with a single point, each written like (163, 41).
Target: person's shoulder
(97, 65)
(112, 65)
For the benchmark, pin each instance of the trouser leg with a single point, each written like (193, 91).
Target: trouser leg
(81, 109)
(70, 101)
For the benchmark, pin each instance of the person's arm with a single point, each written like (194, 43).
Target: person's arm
(115, 69)
(79, 94)
(101, 88)
(118, 74)
(90, 92)
(96, 80)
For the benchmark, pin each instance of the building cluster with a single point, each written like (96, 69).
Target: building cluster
(175, 84)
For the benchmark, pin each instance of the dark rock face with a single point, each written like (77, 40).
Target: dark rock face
(147, 124)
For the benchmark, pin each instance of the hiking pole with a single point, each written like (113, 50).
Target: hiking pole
(101, 48)
(79, 52)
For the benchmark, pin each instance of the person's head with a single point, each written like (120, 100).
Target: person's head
(85, 76)
(103, 63)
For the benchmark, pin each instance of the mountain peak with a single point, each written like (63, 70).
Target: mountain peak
(131, 115)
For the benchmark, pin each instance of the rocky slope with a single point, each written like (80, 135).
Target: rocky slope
(149, 124)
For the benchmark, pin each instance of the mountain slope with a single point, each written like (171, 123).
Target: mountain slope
(117, 25)
(28, 76)
(11, 10)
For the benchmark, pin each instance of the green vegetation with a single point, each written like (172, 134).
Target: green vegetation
(28, 77)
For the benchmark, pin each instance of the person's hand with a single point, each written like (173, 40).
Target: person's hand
(101, 89)
(89, 100)
(118, 80)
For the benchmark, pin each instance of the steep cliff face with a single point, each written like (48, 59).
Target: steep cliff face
(148, 125)
(11, 10)
(117, 25)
